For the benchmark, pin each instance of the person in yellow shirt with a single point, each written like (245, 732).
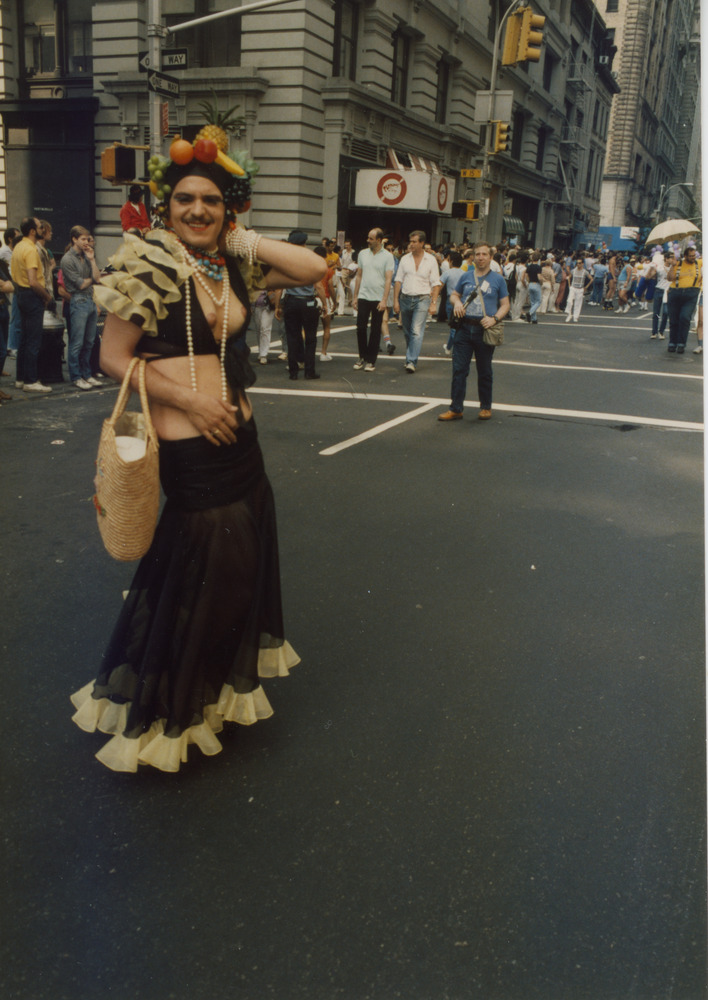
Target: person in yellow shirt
(27, 271)
(685, 283)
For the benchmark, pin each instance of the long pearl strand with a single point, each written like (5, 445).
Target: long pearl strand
(223, 300)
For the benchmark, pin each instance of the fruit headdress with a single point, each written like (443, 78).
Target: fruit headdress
(209, 157)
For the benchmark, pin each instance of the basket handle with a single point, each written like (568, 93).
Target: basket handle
(124, 393)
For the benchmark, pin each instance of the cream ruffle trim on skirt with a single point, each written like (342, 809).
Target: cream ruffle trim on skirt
(167, 753)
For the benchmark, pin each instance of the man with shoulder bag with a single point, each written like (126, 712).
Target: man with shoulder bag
(481, 301)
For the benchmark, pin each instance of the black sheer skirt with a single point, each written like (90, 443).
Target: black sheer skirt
(202, 621)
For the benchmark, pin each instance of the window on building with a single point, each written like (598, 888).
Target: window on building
(216, 43)
(399, 71)
(588, 176)
(549, 64)
(517, 134)
(57, 38)
(612, 6)
(442, 91)
(541, 148)
(595, 114)
(346, 31)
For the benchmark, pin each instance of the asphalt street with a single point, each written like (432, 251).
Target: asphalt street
(486, 779)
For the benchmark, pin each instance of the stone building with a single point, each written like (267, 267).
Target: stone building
(359, 112)
(655, 116)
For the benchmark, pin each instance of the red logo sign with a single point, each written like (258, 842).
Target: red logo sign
(391, 189)
(442, 194)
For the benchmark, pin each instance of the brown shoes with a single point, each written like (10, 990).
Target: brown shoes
(450, 415)
(485, 415)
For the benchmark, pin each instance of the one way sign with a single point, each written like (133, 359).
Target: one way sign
(171, 59)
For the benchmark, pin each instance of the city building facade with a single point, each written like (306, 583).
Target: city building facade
(359, 112)
(653, 163)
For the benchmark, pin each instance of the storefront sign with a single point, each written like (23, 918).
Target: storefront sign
(406, 189)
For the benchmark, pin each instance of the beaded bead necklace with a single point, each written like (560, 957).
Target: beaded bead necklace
(223, 300)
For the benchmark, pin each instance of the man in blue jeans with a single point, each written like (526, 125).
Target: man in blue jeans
(415, 294)
(80, 273)
(488, 306)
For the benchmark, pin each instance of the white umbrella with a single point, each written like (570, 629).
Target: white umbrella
(672, 229)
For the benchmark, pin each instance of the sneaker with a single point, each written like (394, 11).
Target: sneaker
(410, 367)
(661, 336)
(325, 357)
(391, 348)
(283, 356)
(447, 350)
(370, 368)
(653, 336)
(19, 385)
(263, 361)
(568, 318)
(680, 349)
(81, 383)
(93, 381)
(11, 352)
(698, 350)
(360, 364)
(35, 387)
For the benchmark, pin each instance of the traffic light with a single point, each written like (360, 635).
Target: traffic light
(511, 39)
(502, 138)
(523, 38)
(531, 38)
(119, 163)
(465, 210)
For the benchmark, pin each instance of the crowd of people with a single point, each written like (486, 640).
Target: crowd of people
(32, 284)
(387, 283)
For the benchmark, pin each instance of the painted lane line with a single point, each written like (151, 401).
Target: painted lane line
(379, 429)
(543, 411)
(538, 364)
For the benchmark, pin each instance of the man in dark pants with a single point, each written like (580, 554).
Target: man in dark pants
(489, 306)
(32, 298)
(686, 280)
(297, 307)
(371, 288)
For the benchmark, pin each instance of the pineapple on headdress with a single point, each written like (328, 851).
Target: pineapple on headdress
(219, 123)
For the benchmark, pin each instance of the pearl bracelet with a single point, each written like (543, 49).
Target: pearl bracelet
(242, 242)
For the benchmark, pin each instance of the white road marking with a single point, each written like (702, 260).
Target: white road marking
(541, 411)
(387, 358)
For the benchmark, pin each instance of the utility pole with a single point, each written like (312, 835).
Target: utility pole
(157, 32)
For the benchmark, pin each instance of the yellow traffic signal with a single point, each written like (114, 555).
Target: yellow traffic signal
(531, 38)
(119, 163)
(502, 139)
(523, 38)
(511, 39)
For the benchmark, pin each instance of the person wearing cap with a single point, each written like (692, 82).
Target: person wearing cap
(297, 308)
(202, 621)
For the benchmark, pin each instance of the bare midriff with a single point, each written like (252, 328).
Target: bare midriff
(173, 424)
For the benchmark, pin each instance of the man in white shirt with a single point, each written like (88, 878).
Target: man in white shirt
(660, 315)
(415, 294)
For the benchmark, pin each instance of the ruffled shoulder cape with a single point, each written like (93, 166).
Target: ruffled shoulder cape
(147, 278)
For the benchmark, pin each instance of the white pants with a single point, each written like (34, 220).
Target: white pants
(263, 319)
(575, 301)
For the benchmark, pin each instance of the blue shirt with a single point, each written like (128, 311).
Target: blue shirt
(493, 288)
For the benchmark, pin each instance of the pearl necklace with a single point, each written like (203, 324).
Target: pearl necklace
(223, 300)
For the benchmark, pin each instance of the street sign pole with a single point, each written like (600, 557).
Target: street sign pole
(156, 32)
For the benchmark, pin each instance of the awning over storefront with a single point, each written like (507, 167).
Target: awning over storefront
(513, 225)
(410, 190)
(396, 160)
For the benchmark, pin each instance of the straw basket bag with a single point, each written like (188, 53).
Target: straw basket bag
(127, 479)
